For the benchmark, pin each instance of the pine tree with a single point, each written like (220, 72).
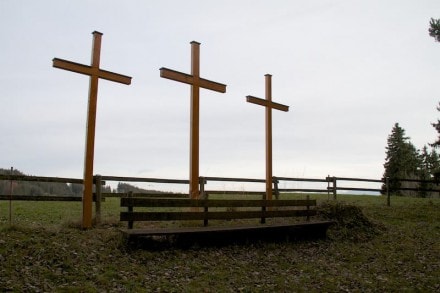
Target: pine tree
(434, 164)
(434, 29)
(402, 160)
(437, 127)
(424, 172)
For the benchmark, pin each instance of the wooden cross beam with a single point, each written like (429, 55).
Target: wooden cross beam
(269, 106)
(95, 73)
(196, 83)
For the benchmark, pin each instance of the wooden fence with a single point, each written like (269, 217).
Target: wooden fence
(332, 182)
(333, 186)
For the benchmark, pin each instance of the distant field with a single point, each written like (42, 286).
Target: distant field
(45, 251)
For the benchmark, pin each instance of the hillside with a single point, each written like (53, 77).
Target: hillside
(41, 253)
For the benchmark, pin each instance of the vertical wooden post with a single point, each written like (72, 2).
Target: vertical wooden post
(328, 186)
(10, 197)
(195, 122)
(387, 182)
(268, 104)
(204, 196)
(90, 133)
(268, 137)
(95, 73)
(98, 198)
(308, 208)
(202, 182)
(334, 188)
(205, 211)
(130, 209)
(196, 82)
(263, 209)
(275, 187)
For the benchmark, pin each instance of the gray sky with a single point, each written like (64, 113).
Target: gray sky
(348, 70)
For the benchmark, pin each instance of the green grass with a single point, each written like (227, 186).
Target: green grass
(45, 251)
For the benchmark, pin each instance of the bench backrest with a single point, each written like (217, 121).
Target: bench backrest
(167, 209)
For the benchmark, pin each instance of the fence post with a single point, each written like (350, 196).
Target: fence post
(10, 197)
(275, 187)
(202, 182)
(328, 186)
(308, 208)
(387, 182)
(334, 188)
(98, 197)
(263, 209)
(130, 209)
(205, 210)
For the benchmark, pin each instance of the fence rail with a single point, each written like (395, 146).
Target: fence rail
(99, 196)
(17, 177)
(332, 186)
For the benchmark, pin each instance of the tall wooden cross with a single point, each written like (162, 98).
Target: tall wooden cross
(269, 106)
(196, 83)
(95, 73)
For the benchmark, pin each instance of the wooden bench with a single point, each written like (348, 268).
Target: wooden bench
(198, 213)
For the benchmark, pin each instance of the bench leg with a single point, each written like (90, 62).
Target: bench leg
(205, 220)
(130, 210)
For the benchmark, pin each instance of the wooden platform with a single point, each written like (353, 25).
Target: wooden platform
(231, 234)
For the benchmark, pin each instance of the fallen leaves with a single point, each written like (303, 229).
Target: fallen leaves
(403, 256)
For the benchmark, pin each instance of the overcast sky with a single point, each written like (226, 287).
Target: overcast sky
(348, 70)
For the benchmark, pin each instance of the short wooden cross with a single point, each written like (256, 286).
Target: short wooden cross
(95, 73)
(196, 83)
(269, 106)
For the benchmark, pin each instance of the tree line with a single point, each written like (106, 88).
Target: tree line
(404, 161)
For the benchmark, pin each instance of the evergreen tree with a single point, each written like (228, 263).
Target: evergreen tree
(434, 164)
(435, 168)
(424, 172)
(434, 29)
(402, 160)
(437, 127)
(430, 165)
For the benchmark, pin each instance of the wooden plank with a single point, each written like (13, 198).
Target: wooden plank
(189, 79)
(146, 195)
(213, 229)
(226, 215)
(235, 179)
(45, 198)
(359, 179)
(71, 66)
(266, 103)
(39, 179)
(299, 179)
(159, 202)
(169, 202)
(236, 192)
(141, 179)
(160, 216)
(358, 189)
(304, 190)
(40, 198)
(89, 70)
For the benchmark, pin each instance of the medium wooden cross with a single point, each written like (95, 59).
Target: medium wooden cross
(95, 73)
(269, 106)
(196, 83)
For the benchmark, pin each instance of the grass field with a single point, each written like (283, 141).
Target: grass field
(391, 249)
